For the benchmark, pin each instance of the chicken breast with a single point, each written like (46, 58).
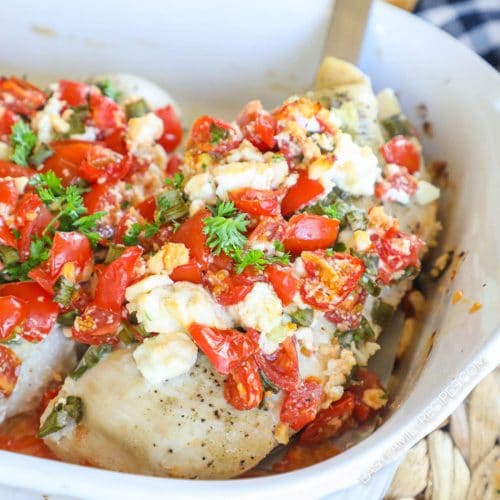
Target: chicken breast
(181, 428)
(41, 363)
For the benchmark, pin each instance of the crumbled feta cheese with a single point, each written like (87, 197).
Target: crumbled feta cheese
(142, 132)
(360, 241)
(261, 309)
(249, 174)
(200, 187)
(426, 193)
(4, 151)
(337, 370)
(90, 134)
(47, 120)
(364, 352)
(196, 206)
(354, 168)
(310, 124)
(165, 356)
(146, 285)
(168, 258)
(246, 151)
(174, 307)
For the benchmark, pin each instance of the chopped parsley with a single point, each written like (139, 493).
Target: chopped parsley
(22, 141)
(256, 258)
(226, 228)
(109, 90)
(77, 120)
(176, 181)
(136, 108)
(217, 133)
(136, 230)
(18, 271)
(360, 334)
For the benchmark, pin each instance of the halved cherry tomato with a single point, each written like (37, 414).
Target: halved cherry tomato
(227, 287)
(102, 197)
(8, 169)
(115, 140)
(210, 134)
(106, 114)
(32, 217)
(6, 235)
(174, 165)
(9, 363)
(96, 326)
(329, 422)
(21, 96)
(73, 93)
(347, 315)
(147, 208)
(12, 314)
(285, 284)
(191, 234)
(225, 349)
(303, 192)
(117, 276)
(69, 248)
(188, 272)
(258, 126)
(268, 230)
(126, 222)
(400, 182)
(243, 387)
(67, 158)
(310, 232)
(41, 312)
(8, 192)
(103, 165)
(256, 201)
(172, 128)
(282, 366)
(330, 278)
(401, 151)
(301, 405)
(397, 251)
(7, 119)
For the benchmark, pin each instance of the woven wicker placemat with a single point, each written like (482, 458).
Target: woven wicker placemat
(460, 459)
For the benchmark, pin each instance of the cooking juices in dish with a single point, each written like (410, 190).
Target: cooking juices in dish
(231, 297)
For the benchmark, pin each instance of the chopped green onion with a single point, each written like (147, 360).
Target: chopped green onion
(217, 133)
(8, 255)
(170, 206)
(64, 290)
(67, 318)
(358, 335)
(77, 120)
(357, 219)
(382, 313)
(109, 90)
(267, 384)
(136, 108)
(397, 125)
(69, 409)
(339, 247)
(369, 285)
(409, 272)
(126, 334)
(302, 317)
(40, 154)
(91, 357)
(114, 251)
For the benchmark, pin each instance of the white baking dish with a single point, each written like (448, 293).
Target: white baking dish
(214, 56)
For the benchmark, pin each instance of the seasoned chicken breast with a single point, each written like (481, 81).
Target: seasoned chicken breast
(182, 428)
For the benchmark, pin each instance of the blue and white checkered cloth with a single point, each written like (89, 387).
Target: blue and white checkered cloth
(476, 23)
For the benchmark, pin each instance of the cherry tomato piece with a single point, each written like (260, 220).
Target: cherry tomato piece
(188, 272)
(8, 169)
(9, 364)
(12, 314)
(106, 114)
(21, 96)
(243, 387)
(73, 93)
(303, 192)
(172, 128)
(285, 284)
(401, 151)
(258, 126)
(301, 405)
(210, 134)
(256, 201)
(310, 232)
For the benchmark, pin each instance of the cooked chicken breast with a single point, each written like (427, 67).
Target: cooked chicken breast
(182, 428)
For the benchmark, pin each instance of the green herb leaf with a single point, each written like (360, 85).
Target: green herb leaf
(68, 410)
(40, 154)
(136, 108)
(302, 317)
(77, 120)
(217, 133)
(91, 357)
(63, 291)
(382, 313)
(67, 318)
(176, 181)
(8, 255)
(359, 335)
(131, 237)
(18, 271)
(226, 228)
(397, 125)
(170, 206)
(109, 90)
(22, 141)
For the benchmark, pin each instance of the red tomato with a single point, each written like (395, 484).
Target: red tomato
(147, 208)
(301, 405)
(73, 93)
(227, 287)
(243, 387)
(256, 201)
(111, 286)
(8, 192)
(96, 326)
(282, 366)
(347, 315)
(103, 165)
(191, 234)
(41, 312)
(258, 126)
(48, 396)
(102, 197)
(172, 128)
(106, 114)
(397, 251)
(330, 422)
(68, 248)
(301, 106)
(210, 134)
(7, 119)
(285, 284)
(367, 380)
(225, 349)
(32, 217)
(401, 151)
(310, 232)
(401, 181)
(8, 169)
(20, 96)
(116, 141)
(188, 272)
(329, 278)
(125, 224)
(174, 165)
(6, 236)
(303, 192)
(12, 314)
(67, 158)
(268, 230)
(9, 364)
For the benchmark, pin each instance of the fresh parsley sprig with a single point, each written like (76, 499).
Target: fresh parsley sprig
(176, 181)
(226, 228)
(18, 271)
(22, 141)
(257, 258)
(136, 230)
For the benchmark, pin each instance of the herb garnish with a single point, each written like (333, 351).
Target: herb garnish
(22, 141)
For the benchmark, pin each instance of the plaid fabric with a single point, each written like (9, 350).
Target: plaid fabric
(476, 23)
